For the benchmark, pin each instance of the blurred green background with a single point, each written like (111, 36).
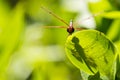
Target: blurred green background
(29, 51)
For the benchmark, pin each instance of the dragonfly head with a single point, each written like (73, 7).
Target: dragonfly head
(70, 29)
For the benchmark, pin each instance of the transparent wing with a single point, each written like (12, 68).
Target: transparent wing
(93, 15)
(53, 14)
(54, 27)
(82, 28)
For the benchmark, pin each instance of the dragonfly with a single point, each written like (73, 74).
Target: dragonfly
(70, 28)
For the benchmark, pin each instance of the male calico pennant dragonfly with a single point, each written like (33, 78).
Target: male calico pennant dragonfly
(70, 28)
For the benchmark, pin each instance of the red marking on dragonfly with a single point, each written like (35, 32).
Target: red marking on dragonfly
(70, 28)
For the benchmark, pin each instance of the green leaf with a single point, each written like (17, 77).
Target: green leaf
(112, 15)
(91, 52)
(11, 27)
(100, 4)
(95, 77)
(114, 31)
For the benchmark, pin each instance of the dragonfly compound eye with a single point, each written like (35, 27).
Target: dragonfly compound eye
(70, 30)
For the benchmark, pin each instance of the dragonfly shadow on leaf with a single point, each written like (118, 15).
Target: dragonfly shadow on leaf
(81, 54)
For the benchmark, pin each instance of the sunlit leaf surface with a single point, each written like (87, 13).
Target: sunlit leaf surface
(91, 52)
